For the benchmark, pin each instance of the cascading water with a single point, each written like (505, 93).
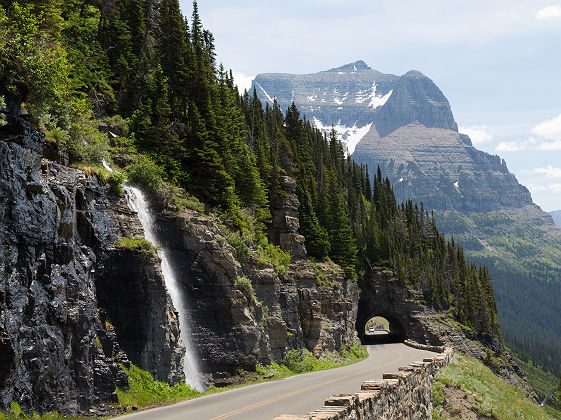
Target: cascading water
(137, 202)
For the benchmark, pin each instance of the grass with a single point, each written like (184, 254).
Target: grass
(16, 413)
(145, 391)
(493, 396)
(138, 243)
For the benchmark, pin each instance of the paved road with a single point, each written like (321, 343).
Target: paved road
(295, 395)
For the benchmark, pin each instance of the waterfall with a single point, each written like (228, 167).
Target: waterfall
(137, 202)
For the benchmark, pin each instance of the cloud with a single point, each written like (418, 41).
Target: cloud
(516, 146)
(242, 81)
(550, 129)
(554, 145)
(477, 133)
(549, 171)
(550, 12)
(550, 188)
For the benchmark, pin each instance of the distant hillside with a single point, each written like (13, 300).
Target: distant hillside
(556, 217)
(405, 125)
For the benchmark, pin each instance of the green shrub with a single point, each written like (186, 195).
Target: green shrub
(138, 243)
(243, 284)
(116, 181)
(145, 173)
(301, 361)
(144, 390)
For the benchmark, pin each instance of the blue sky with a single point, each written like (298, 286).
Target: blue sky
(498, 62)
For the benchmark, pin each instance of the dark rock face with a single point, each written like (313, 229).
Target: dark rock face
(233, 329)
(57, 229)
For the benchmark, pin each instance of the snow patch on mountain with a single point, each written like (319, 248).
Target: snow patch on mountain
(350, 136)
(265, 92)
(370, 94)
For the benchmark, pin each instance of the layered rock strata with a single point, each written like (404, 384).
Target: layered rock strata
(309, 306)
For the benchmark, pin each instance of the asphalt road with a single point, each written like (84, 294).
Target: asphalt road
(295, 395)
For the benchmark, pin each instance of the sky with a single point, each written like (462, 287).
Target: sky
(498, 62)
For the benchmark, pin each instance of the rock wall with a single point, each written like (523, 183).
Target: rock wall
(59, 349)
(235, 328)
(406, 394)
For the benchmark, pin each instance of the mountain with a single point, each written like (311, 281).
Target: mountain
(354, 98)
(405, 125)
(556, 216)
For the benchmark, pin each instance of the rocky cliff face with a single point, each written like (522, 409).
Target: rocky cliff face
(61, 340)
(234, 328)
(383, 295)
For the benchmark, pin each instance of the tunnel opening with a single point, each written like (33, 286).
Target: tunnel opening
(381, 329)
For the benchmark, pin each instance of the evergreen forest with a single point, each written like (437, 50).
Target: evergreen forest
(104, 79)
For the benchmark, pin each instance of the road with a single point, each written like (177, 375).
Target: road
(294, 395)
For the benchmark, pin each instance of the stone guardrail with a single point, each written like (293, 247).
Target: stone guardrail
(428, 347)
(405, 394)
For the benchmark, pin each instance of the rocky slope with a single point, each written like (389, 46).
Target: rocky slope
(556, 217)
(405, 125)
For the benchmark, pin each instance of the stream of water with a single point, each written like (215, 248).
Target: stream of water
(137, 202)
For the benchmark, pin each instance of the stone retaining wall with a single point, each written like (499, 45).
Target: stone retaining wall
(405, 394)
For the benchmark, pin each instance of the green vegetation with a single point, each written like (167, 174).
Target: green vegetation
(544, 383)
(116, 181)
(2, 106)
(243, 284)
(482, 393)
(145, 174)
(144, 391)
(524, 261)
(302, 361)
(137, 243)
(16, 413)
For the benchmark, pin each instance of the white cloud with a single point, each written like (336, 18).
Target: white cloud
(554, 145)
(515, 146)
(550, 129)
(550, 188)
(550, 12)
(477, 133)
(242, 81)
(549, 171)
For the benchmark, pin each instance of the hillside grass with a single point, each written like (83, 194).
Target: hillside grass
(487, 394)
